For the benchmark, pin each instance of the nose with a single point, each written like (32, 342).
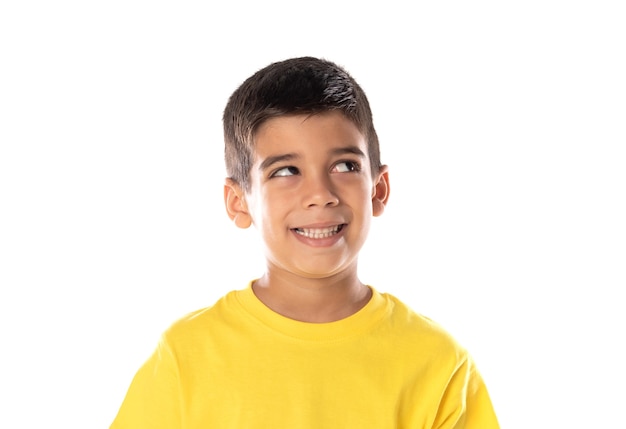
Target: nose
(319, 192)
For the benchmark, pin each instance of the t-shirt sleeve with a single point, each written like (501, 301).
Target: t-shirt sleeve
(466, 403)
(153, 398)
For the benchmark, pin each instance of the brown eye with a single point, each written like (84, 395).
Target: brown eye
(285, 171)
(347, 166)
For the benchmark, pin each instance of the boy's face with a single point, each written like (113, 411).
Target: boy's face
(312, 194)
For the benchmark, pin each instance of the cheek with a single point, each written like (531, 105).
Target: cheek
(271, 212)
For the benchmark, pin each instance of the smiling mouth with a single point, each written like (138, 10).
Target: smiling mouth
(319, 232)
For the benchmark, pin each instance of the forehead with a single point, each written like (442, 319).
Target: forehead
(294, 133)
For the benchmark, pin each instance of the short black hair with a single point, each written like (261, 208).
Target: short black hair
(304, 85)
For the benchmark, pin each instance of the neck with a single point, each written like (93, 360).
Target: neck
(315, 300)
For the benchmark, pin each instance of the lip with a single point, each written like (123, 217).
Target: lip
(319, 225)
(320, 234)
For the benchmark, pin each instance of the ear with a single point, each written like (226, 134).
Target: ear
(380, 192)
(235, 203)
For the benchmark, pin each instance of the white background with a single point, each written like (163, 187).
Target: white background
(503, 124)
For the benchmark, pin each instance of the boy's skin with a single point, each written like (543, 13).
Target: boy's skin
(310, 174)
(303, 162)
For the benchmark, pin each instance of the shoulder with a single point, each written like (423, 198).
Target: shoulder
(203, 322)
(417, 333)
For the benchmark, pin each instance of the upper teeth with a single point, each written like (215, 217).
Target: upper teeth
(318, 232)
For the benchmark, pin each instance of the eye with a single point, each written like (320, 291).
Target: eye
(285, 171)
(347, 167)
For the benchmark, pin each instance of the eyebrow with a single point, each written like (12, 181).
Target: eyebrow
(271, 160)
(354, 150)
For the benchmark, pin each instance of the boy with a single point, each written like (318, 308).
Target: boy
(306, 345)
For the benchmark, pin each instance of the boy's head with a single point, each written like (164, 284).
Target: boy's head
(303, 85)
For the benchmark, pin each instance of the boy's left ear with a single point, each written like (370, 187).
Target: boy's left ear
(380, 192)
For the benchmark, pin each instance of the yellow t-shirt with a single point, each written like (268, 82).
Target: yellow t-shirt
(238, 364)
